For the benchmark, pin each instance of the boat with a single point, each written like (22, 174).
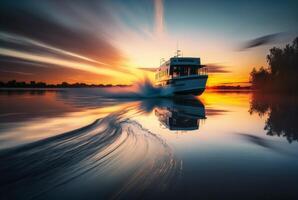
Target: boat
(180, 114)
(182, 75)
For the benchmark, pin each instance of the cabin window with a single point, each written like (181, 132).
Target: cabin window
(177, 71)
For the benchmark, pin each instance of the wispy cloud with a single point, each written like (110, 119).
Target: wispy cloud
(266, 39)
(59, 62)
(159, 17)
(16, 72)
(148, 69)
(217, 69)
(20, 43)
(61, 37)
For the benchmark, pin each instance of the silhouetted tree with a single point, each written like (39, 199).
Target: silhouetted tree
(41, 84)
(259, 78)
(32, 84)
(282, 72)
(64, 84)
(12, 83)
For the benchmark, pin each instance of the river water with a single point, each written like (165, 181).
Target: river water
(85, 144)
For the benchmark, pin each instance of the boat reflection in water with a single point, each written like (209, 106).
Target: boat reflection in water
(180, 114)
(79, 144)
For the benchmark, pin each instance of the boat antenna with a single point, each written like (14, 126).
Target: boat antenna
(162, 60)
(178, 52)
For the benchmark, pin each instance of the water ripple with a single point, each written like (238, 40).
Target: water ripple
(111, 146)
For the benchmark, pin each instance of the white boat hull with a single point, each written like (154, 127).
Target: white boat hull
(191, 85)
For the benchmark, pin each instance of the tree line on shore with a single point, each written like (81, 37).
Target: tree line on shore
(282, 73)
(33, 84)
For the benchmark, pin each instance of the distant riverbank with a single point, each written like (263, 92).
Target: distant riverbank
(40, 85)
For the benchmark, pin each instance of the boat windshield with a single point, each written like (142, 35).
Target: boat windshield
(177, 71)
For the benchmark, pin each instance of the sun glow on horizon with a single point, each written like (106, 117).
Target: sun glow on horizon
(110, 42)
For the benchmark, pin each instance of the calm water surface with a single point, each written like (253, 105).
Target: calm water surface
(80, 144)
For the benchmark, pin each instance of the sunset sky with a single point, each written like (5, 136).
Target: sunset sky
(107, 41)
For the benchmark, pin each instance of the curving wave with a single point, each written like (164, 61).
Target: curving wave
(109, 147)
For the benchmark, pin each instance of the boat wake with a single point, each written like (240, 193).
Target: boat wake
(141, 89)
(136, 162)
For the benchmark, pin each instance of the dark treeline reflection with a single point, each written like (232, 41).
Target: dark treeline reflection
(282, 114)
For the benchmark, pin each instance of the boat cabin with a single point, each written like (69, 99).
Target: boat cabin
(179, 67)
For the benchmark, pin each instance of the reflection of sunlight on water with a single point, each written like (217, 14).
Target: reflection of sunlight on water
(117, 147)
(40, 128)
(214, 98)
(222, 109)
